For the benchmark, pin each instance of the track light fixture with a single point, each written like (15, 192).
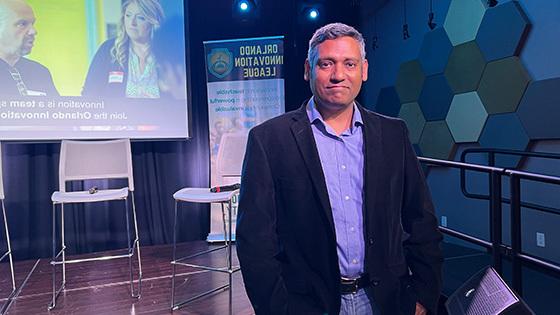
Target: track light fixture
(406, 34)
(431, 23)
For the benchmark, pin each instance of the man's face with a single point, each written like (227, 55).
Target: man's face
(337, 74)
(136, 25)
(17, 34)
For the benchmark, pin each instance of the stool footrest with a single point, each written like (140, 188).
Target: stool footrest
(201, 253)
(74, 261)
(201, 295)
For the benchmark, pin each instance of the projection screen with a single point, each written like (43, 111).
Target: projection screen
(93, 69)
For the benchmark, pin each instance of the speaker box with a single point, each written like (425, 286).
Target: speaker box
(486, 293)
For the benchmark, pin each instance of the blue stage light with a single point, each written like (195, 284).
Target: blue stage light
(313, 14)
(243, 5)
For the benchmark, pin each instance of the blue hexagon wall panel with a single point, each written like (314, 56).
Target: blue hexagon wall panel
(466, 117)
(435, 51)
(409, 81)
(504, 131)
(463, 20)
(502, 31)
(436, 140)
(435, 98)
(464, 68)
(502, 85)
(414, 119)
(539, 110)
(388, 102)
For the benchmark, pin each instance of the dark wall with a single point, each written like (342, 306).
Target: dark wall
(512, 103)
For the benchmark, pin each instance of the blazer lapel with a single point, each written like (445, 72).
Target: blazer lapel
(373, 159)
(301, 129)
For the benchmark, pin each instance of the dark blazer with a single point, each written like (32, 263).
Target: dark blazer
(285, 236)
(97, 80)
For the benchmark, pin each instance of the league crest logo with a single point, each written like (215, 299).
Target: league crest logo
(220, 62)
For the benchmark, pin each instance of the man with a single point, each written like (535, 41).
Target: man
(335, 216)
(18, 75)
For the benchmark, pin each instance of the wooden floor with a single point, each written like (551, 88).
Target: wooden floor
(102, 287)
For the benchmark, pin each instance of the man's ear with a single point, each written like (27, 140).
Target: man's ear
(365, 66)
(306, 70)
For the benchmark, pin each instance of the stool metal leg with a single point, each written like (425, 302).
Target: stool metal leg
(129, 244)
(62, 234)
(8, 254)
(230, 273)
(173, 265)
(224, 226)
(137, 244)
(55, 255)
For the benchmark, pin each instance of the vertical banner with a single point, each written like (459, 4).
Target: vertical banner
(245, 83)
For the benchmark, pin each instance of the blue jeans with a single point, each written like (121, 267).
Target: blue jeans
(359, 303)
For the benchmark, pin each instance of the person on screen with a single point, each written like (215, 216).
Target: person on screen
(125, 66)
(19, 75)
(334, 215)
(171, 62)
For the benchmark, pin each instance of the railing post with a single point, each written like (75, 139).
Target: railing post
(496, 219)
(491, 159)
(515, 195)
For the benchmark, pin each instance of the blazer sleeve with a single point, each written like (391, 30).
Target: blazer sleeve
(256, 238)
(97, 75)
(423, 254)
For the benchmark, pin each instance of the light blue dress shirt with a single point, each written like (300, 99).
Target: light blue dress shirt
(342, 160)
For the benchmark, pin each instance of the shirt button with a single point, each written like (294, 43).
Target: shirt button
(346, 197)
(351, 229)
(343, 166)
(354, 261)
(370, 241)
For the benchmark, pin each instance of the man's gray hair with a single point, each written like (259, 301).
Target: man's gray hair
(333, 31)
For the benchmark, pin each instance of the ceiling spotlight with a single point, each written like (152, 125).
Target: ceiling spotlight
(245, 6)
(492, 3)
(313, 14)
(245, 11)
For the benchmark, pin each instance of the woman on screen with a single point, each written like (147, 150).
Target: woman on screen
(125, 66)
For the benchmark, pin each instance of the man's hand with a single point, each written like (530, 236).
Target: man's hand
(420, 310)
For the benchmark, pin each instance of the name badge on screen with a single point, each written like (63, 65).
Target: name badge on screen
(116, 77)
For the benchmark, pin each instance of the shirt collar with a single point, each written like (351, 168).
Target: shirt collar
(315, 116)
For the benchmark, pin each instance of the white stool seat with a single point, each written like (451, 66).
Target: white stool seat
(203, 195)
(85, 196)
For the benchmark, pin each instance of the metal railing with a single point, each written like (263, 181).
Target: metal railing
(498, 249)
(492, 162)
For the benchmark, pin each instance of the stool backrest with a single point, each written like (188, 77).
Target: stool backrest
(230, 154)
(80, 160)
